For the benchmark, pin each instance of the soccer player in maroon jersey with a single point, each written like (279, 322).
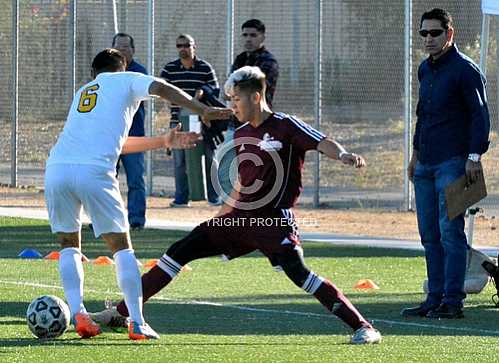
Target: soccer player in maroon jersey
(270, 149)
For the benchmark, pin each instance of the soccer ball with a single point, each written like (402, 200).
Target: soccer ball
(48, 317)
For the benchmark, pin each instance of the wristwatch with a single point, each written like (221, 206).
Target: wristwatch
(474, 157)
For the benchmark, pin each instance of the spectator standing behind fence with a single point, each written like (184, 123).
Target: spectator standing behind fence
(255, 54)
(190, 73)
(133, 163)
(452, 132)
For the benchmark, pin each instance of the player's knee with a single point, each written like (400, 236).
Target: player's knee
(117, 241)
(68, 240)
(295, 269)
(187, 248)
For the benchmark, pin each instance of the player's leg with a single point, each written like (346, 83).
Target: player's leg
(128, 277)
(328, 295)
(194, 246)
(64, 210)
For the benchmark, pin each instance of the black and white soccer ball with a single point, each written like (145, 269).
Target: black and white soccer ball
(48, 317)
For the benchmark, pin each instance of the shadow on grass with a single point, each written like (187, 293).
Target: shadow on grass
(152, 243)
(274, 318)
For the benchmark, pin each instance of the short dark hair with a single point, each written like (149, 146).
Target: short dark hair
(438, 14)
(119, 35)
(254, 23)
(109, 60)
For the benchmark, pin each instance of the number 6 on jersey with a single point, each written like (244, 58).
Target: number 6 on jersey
(88, 99)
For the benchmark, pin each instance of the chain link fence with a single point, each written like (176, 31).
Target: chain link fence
(362, 73)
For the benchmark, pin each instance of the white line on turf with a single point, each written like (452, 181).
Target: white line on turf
(285, 312)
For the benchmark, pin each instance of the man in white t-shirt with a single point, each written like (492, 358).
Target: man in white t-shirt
(80, 172)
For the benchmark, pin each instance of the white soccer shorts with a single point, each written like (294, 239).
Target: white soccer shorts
(69, 187)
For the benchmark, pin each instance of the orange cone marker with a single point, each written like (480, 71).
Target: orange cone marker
(366, 284)
(103, 260)
(54, 255)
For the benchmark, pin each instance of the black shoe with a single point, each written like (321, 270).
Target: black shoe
(446, 311)
(418, 311)
(136, 227)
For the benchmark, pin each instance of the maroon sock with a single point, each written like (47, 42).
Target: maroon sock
(334, 300)
(152, 282)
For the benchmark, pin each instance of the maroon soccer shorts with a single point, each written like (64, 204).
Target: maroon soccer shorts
(273, 232)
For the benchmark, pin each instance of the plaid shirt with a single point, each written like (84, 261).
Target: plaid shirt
(266, 61)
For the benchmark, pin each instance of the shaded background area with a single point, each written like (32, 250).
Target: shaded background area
(362, 77)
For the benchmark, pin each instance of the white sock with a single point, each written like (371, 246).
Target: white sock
(128, 276)
(71, 271)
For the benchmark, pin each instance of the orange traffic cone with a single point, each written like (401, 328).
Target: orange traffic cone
(366, 284)
(103, 260)
(151, 263)
(54, 255)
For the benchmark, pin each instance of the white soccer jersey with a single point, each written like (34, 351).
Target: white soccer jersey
(99, 119)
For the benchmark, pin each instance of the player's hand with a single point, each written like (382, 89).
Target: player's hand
(215, 113)
(353, 160)
(176, 139)
(473, 171)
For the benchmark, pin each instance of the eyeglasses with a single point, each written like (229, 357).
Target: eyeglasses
(184, 45)
(434, 33)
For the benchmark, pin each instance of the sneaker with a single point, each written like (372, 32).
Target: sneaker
(418, 312)
(111, 318)
(180, 205)
(136, 227)
(366, 335)
(85, 326)
(141, 332)
(446, 311)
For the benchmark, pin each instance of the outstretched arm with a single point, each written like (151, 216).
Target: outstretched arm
(173, 139)
(175, 95)
(334, 150)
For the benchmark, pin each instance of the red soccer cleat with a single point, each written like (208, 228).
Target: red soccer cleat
(141, 332)
(85, 326)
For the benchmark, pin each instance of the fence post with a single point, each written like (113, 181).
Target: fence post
(229, 57)
(73, 48)
(318, 98)
(15, 93)
(149, 103)
(407, 102)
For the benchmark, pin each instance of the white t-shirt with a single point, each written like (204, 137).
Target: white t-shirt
(99, 119)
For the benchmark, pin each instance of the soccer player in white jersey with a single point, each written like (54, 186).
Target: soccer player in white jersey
(80, 172)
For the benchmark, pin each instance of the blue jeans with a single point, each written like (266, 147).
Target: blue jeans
(444, 241)
(134, 169)
(181, 181)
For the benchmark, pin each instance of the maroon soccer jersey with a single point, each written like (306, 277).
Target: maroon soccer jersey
(271, 158)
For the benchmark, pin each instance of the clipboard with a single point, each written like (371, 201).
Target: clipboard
(459, 196)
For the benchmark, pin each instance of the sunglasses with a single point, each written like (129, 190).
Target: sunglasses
(184, 45)
(434, 33)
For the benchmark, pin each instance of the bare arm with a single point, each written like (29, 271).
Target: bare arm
(334, 150)
(174, 139)
(175, 95)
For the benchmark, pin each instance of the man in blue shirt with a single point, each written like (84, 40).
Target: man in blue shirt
(133, 163)
(452, 132)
